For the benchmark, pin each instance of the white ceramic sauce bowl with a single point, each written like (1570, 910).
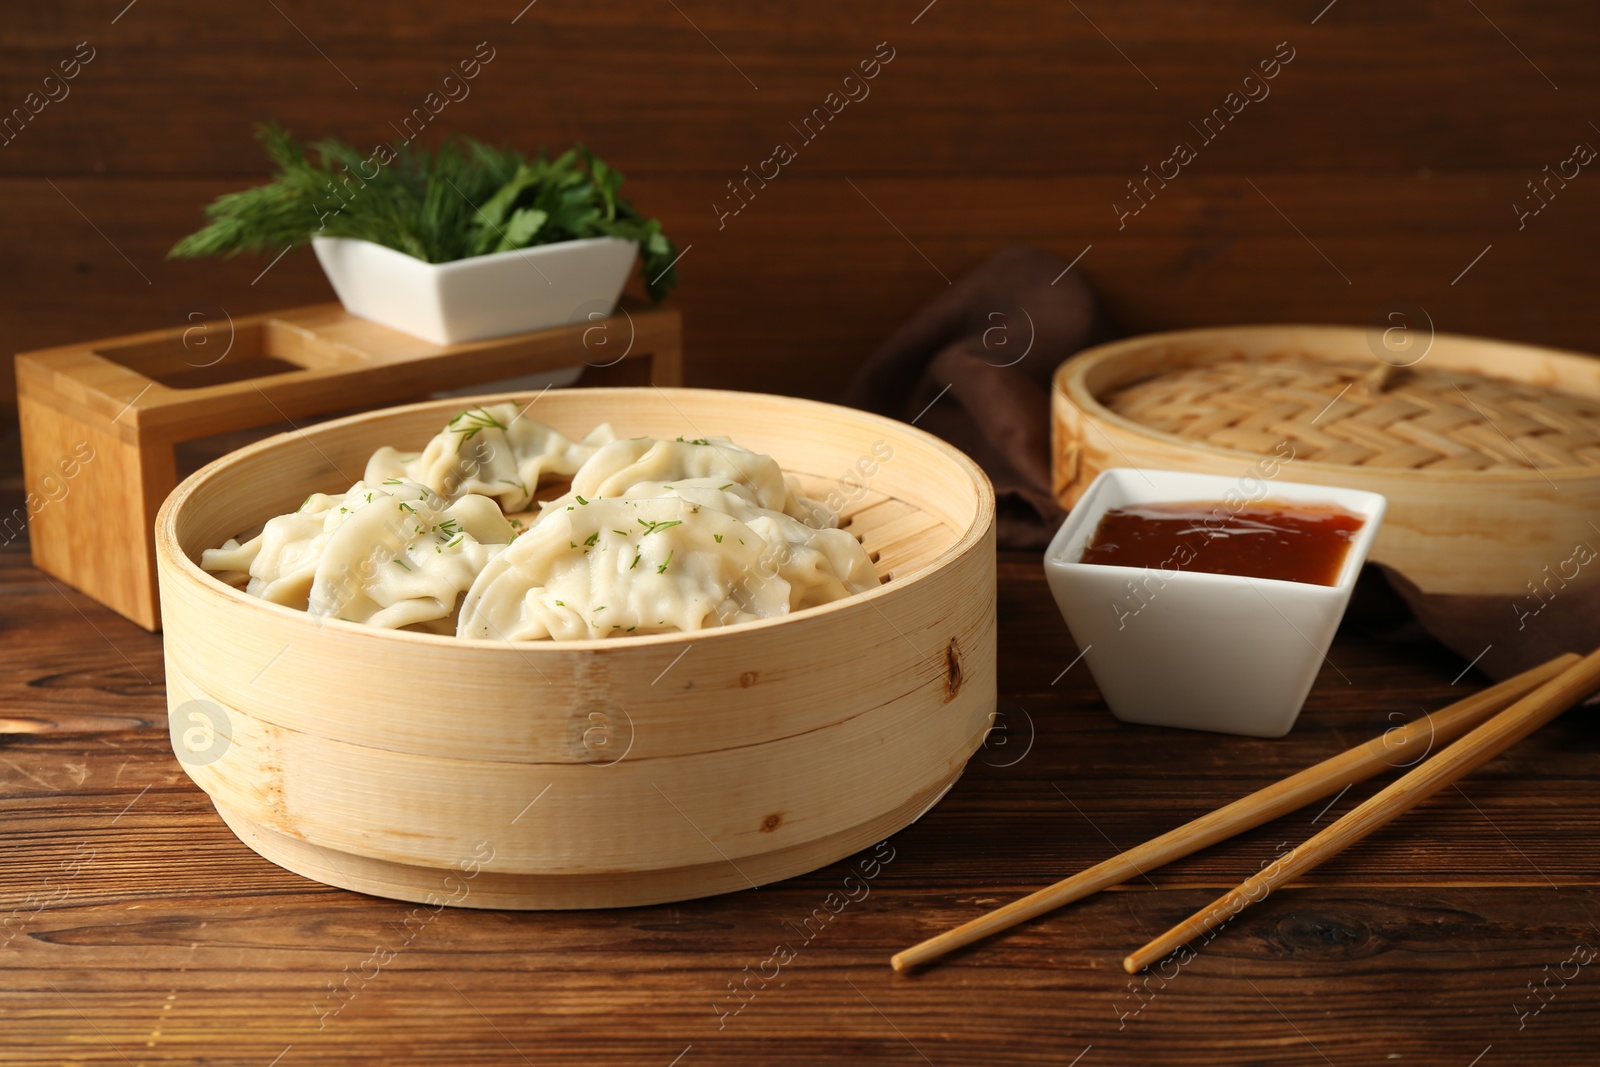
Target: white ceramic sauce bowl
(1218, 652)
(480, 297)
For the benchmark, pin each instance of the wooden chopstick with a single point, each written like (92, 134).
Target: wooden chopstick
(1262, 806)
(1466, 755)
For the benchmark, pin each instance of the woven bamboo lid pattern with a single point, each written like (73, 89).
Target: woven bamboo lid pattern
(1340, 412)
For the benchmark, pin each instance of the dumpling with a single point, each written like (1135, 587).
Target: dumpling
(617, 468)
(389, 555)
(282, 559)
(404, 559)
(817, 565)
(493, 451)
(690, 559)
(612, 567)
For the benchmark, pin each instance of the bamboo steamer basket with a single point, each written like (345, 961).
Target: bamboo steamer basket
(596, 773)
(1488, 451)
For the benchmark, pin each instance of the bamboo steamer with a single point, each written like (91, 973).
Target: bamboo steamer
(1488, 451)
(584, 774)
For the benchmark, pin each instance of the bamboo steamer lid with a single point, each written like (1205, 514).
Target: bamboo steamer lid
(1489, 452)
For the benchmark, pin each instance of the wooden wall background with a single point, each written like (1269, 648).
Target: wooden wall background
(1396, 141)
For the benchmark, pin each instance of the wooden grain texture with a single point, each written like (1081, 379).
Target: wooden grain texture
(1396, 140)
(1335, 774)
(174, 942)
(1428, 777)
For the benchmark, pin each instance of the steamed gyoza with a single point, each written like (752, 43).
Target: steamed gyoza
(387, 555)
(689, 559)
(621, 467)
(493, 451)
(653, 536)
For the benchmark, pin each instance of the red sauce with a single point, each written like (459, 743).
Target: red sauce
(1266, 540)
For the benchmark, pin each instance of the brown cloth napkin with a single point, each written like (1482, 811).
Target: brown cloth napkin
(974, 368)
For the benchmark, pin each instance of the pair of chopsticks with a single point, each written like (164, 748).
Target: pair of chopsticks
(1491, 721)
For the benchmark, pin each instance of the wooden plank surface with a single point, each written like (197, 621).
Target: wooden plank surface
(1396, 140)
(148, 934)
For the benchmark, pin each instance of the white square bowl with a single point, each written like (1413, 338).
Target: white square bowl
(1201, 651)
(480, 297)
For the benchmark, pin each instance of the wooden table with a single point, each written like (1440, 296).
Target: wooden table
(141, 932)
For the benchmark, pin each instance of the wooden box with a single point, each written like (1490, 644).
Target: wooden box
(102, 421)
(596, 773)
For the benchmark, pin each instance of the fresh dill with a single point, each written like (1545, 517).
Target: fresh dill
(463, 199)
(477, 421)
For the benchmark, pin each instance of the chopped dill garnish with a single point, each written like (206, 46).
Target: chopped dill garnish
(401, 562)
(407, 507)
(718, 537)
(725, 488)
(561, 603)
(476, 421)
(393, 481)
(592, 538)
(663, 568)
(624, 533)
(580, 499)
(454, 541)
(652, 527)
(304, 502)
(635, 563)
